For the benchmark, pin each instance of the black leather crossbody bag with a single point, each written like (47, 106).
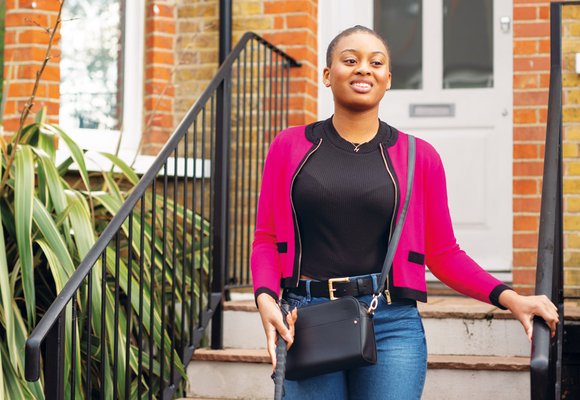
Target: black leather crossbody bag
(339, 334)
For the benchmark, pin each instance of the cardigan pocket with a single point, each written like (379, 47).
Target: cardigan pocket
(282, 247)
(416, 258)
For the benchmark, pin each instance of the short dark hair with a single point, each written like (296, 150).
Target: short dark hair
(348, 32)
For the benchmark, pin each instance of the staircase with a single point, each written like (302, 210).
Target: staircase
(476, 351)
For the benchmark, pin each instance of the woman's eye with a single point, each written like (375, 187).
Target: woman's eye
(350, 61)
(376, 62)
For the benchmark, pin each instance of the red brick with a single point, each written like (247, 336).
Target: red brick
(535, 63)
(525, 116)
(533, 29)
(536, 133)
(544, 46)
(525, 240)
(20, 19)
(159, 57)
(544, 12)
(303, 55)
(156, 41)
(279, 22)
(301, 21)
(525, 186)
(158, 104)
(526, 81)
(46, 5)
(284, 7)
(524, 47)
(10, 124)
(544, 80)
(160, 25)
(525, 13)
(525, 259)
(24, 54)
(528, 168)
(527, 204)
(543, 114)
(35, 36)
(525, 276)
(526, 223)
(286, 38)
(156, 88)
(163, 10)
(529, 98)
(158, 73)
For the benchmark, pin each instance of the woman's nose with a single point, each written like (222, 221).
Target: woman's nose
(363, 69)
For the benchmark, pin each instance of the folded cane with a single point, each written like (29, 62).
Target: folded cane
(281, 348)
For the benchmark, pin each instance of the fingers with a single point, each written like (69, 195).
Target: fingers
(283, 331)
(528, 327)
(549, 312)
(291, 320)
(271, 337)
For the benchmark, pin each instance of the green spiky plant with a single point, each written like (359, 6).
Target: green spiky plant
(50, 216)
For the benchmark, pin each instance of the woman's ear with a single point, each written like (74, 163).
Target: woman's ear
(326, 76)
(389, 82)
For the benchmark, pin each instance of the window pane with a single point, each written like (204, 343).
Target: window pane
(400, 23)
(467, 43)
(90, 87)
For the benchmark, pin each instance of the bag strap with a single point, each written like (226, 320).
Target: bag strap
(392, 248)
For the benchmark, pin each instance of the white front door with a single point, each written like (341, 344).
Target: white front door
(452, 85)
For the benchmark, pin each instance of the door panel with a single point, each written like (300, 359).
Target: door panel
(456, 94)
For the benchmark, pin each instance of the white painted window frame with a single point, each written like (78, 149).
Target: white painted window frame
(133, 76)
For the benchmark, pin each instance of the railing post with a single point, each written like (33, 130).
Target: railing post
(54, 360)
(221, 175)
(545, 363)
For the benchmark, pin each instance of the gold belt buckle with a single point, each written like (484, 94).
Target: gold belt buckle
(331, 288)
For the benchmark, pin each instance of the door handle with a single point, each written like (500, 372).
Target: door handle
(505, 24)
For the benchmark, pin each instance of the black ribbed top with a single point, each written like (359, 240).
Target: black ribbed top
(344, 202)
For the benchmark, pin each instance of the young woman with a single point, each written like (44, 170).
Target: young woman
(331, 194)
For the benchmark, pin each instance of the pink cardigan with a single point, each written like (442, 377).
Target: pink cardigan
(427, 237)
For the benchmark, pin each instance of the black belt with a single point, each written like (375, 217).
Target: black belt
(336, 287)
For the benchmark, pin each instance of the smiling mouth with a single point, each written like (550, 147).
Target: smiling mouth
(361, 87)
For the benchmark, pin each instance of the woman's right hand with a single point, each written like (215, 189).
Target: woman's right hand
(273, 323)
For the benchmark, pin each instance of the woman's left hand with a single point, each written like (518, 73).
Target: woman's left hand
(524, 308)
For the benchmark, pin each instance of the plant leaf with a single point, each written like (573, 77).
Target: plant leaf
(123, 166)
(23, 195)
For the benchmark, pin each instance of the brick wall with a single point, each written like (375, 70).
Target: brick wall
(26, 41)
(291, 25)
(531, 81)
(571, 118)
(196, 51)
(296, 32)
(159, 93)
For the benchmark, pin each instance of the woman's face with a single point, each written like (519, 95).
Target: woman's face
(359, 74)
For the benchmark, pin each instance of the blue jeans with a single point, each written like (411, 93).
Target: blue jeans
(402, 358)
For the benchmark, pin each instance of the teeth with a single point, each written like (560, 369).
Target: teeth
(361, 84)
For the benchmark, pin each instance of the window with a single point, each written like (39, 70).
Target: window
(467, 44)
(101, 73)
(400, 22)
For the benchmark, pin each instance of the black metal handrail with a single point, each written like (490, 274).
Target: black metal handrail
(546, 357)
(185, 280)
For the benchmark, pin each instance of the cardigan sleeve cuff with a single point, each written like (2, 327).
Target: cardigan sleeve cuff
(494, 295)
(269, 292)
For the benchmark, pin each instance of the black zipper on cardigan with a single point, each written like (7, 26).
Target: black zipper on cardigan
(394, 217)
(295, 218)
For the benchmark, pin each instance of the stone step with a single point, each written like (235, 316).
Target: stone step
(245, 374)
(453, 325)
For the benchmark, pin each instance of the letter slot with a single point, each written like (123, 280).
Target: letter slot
(431, 110)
